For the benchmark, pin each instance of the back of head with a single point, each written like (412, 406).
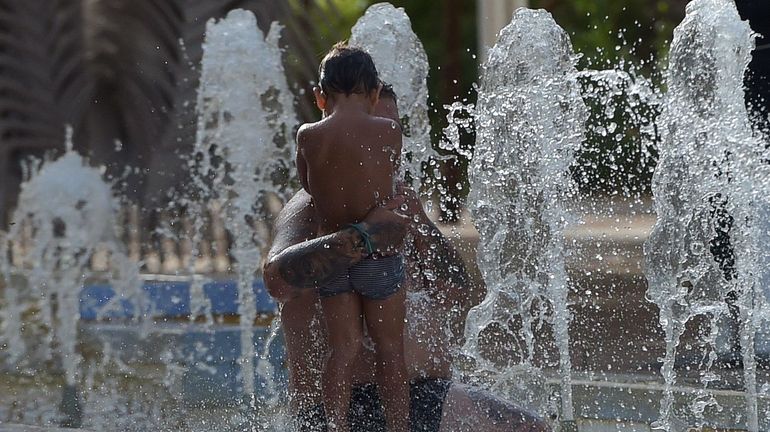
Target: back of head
(348, 70)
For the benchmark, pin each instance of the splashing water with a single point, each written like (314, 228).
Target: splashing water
(65, 215)
(385, 32)
(708, 250)
(245, 142)
(529, 120)
(703, 248)
(621, 134)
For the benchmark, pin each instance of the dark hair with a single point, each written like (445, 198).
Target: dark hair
(347, 70)
(387, 91)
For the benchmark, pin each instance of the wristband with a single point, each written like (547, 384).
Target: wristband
(364, 236)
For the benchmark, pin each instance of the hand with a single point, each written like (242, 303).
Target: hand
(386, 225)
(413, 204)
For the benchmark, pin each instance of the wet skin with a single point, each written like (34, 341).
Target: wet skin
(298, 260)
(301, 258)
(347, 162)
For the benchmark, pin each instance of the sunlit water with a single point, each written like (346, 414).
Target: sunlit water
(246, 149)
(709, 187)
(386, 33)
(529, 124)
(536, 116)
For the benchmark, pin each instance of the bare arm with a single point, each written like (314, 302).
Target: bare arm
(299, 261)
(311, 263)
(436, 254)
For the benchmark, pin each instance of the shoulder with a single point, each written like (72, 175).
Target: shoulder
(386, 127)
(307, 131)
(385, 124)
(308, 127)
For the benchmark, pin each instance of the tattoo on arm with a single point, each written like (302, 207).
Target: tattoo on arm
(315, 262)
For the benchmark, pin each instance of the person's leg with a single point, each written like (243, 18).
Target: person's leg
(467, 409)
(385, 323)
(342, 313)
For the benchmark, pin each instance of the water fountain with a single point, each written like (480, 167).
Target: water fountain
(704, 249)
(243, 161)
(707, 256)
(66, 217)
(245, 147)
(386, 33)
(529, 123)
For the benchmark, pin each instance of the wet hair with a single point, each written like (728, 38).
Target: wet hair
(388, 92)
(347, 70)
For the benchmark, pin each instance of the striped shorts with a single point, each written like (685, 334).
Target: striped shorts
(374, 277)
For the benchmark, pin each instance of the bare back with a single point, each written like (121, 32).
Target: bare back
(347, 162)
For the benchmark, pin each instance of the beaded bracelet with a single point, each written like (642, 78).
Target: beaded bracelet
(364, 236)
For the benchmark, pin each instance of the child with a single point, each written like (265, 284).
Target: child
(347, 162)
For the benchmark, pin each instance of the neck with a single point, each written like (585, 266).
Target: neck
(354, 102)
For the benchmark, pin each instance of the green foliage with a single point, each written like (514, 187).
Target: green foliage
(331, 20)
(447, 30)
(315, 26)
(630, 35)
(609, 31)
(619, 152)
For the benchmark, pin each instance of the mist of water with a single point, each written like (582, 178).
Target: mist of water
(245, 146)
(385, 32)
(708, 250)
(66, 214)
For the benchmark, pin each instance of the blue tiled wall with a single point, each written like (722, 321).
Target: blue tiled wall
(169, 299)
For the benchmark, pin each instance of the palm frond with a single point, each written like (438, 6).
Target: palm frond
(144, 57)
(134, 60)
(125, 70)
(42, 84)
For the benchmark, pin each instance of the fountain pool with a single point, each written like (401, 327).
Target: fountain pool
(582, 322)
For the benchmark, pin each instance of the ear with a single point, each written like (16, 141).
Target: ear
(375, 97)
(320, 98)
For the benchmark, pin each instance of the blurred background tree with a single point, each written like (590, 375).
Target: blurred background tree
(619, 154)
(632, 36)
(607, 31)
(116, 71)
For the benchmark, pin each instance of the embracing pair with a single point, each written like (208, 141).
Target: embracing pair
(364, 312)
